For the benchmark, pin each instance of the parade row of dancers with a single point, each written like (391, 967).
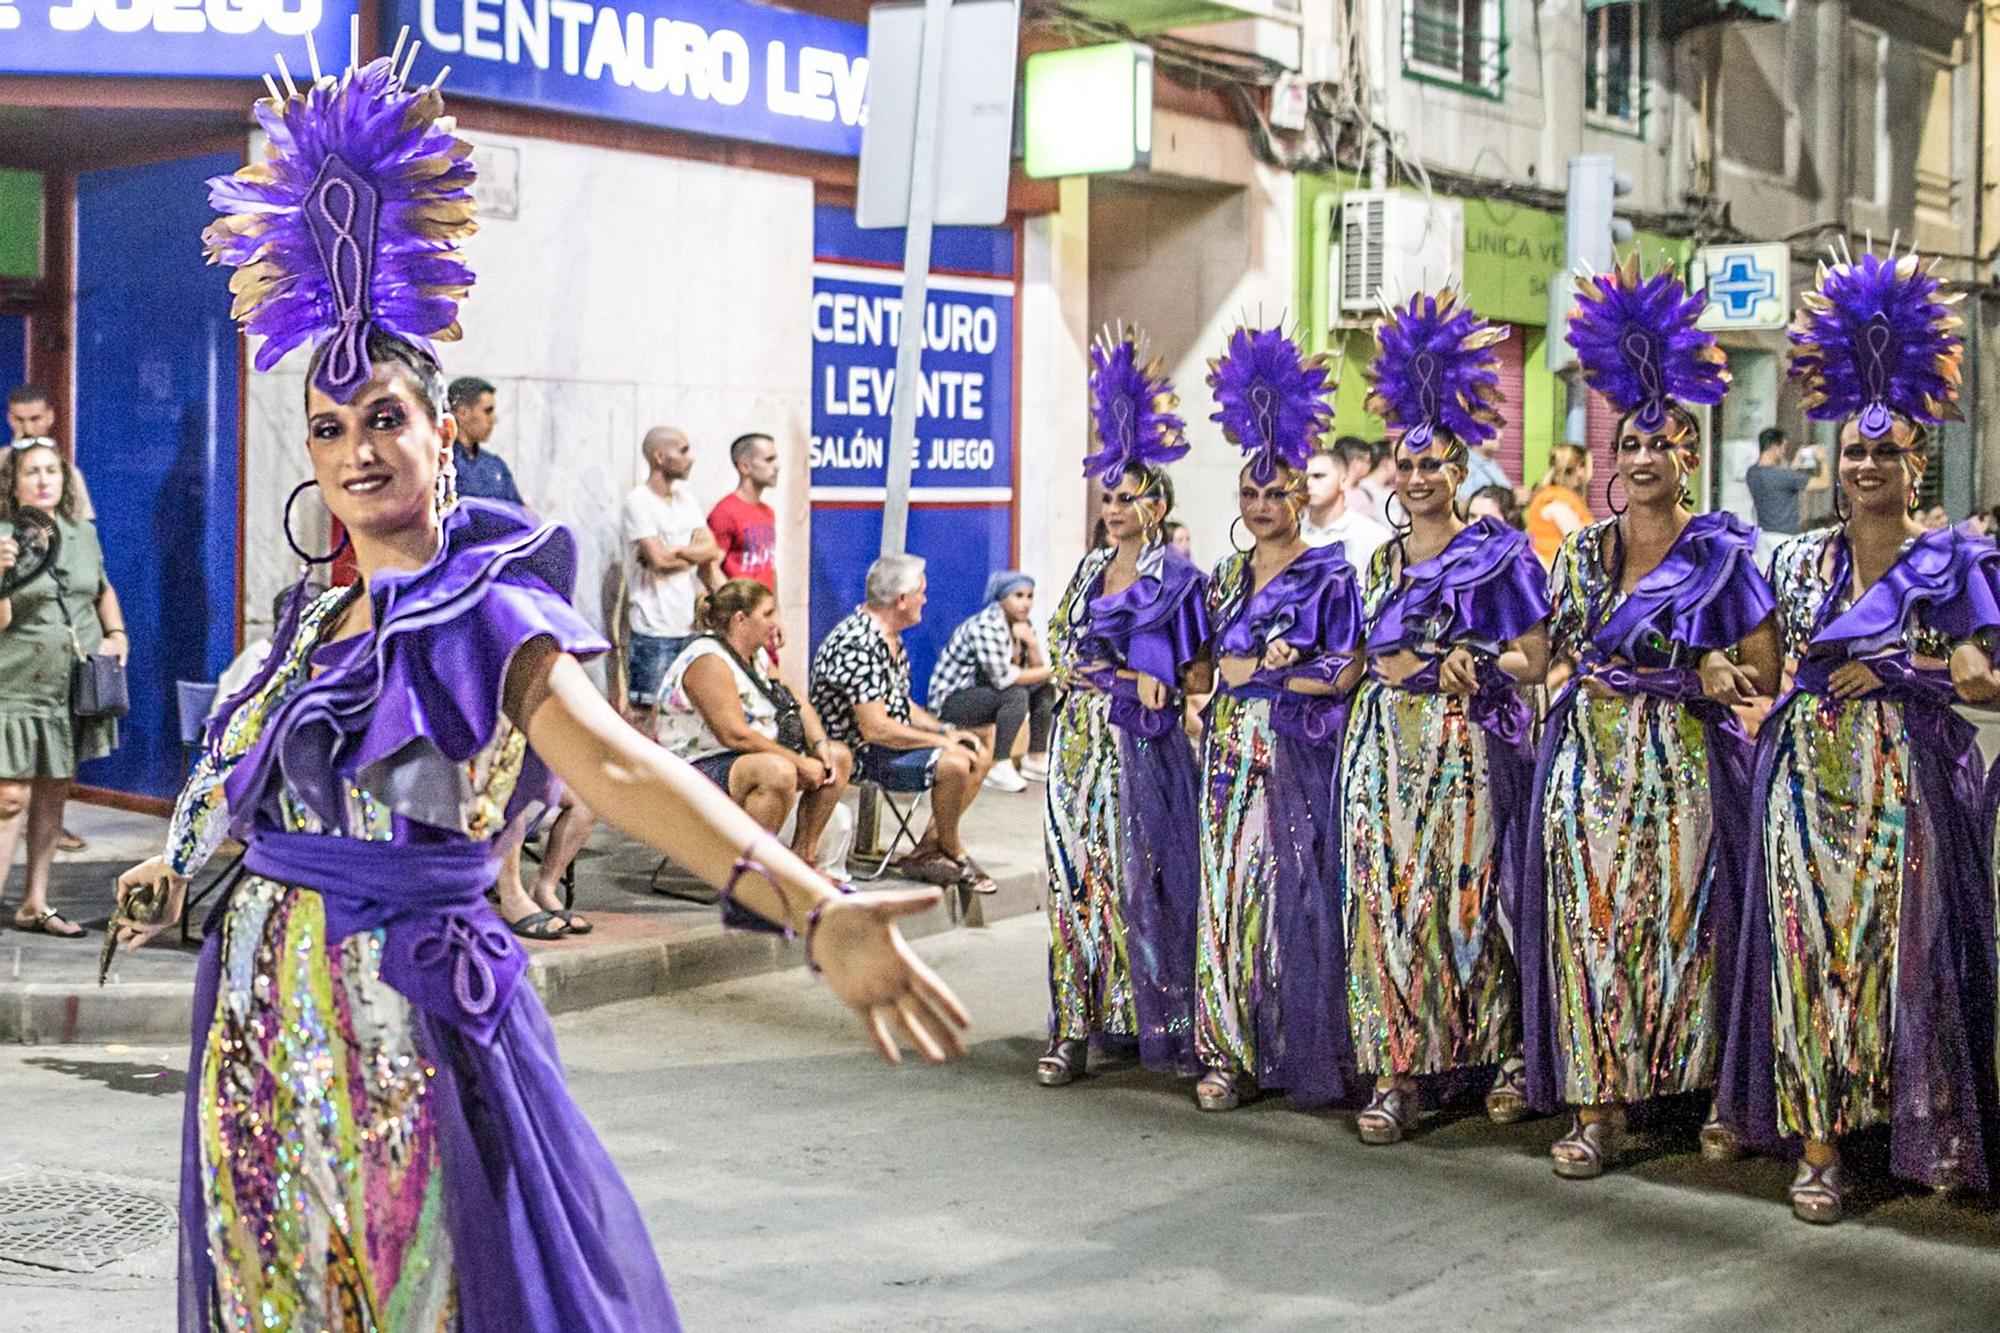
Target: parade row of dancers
(1745, 852)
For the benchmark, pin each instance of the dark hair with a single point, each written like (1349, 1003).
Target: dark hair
(1504, 497)
(422, 371)
(736, 597)
(313, 589)
(1352, 447)
(22, 394)
(10, 463)
(739, 448)
(1771, 437)
(466, 390)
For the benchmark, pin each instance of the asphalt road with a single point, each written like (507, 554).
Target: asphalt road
(793, 1182)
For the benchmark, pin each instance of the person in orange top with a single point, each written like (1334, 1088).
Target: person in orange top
(1558, 506)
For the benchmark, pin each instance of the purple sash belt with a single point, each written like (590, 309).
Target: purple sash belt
(443, 948)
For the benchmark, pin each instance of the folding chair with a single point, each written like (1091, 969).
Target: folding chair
(874, 798)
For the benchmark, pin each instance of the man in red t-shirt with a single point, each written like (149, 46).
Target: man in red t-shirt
(743, 524)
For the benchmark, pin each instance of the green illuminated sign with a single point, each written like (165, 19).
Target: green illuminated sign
(1088, 110)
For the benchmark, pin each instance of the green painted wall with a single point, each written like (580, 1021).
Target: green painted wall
(20, 224)
(1511, 254)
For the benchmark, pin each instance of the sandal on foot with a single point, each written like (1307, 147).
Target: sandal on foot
(934, 867)
(1583, 1153)
(1815, 1193)
(1224, 1090)
(973, 878)
(1719, 1140)
(1507, 1099)
(1063, 1064)
(543, 926)
(39, 925)
(69, 842)
(572, 923)
(1389, 1116)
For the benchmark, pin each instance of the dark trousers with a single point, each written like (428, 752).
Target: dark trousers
(1005, 710)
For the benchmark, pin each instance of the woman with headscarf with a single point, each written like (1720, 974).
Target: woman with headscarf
(1271, 1007)
(1661, 625)
(992, 677)
(1437, 765)
(1866, 992)
(1123, 864)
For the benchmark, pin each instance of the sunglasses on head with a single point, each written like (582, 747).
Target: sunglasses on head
(1430, 467)
(34, 442)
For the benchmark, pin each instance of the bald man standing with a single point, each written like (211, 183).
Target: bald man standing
(666, 541)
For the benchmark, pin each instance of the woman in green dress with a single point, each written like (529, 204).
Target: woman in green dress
(40, 742)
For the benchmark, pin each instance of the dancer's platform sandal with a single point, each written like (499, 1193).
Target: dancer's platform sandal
(1064, 1063)
(1584, 1152)
(1224, 1090)
(1815, 1193)
(1719, 1140)
(1389, 1116)
(1507, 1099)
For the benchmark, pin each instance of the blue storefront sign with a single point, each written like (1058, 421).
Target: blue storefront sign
(722, 67)
(962, 485)
(196, 38)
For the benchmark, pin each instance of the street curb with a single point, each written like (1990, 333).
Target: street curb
(577, 975)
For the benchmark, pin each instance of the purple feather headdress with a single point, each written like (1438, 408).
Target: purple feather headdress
(1271, 399)
(1132, 406)
(352, 224)
(1875, 342)
(1435, 370)
(1637, 344)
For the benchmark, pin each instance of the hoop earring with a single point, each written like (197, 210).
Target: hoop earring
(293, 542)
(1240, 550)
(1845, 513)
(1401, 529)
(1617, 511)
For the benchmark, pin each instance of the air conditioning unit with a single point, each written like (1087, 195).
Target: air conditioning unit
(1391, 245)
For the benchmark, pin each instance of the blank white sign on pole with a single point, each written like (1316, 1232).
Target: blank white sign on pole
(975, 138)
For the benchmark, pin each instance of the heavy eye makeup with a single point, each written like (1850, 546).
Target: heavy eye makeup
(384, 415)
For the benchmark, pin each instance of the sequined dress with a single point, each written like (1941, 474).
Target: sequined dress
(375, 1093)
(1124, 866)
(1270, 985)
(1867, 983)
(1432, 786)
(1640, 837)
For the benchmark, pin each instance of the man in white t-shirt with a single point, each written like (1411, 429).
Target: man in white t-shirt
(665, 536)
(1329, 518)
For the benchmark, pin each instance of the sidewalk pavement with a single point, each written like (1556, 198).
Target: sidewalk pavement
(645, 942)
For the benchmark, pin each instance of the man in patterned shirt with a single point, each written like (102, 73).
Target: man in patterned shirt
(861, 689)
(993, 677)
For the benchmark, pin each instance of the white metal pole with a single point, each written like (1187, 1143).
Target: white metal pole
(916, 281)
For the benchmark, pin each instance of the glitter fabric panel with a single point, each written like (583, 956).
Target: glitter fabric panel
(1429, 973)
(1626, 823)
(1090, 980)
(1236, 996)
(1835, 837)
(318, 1142)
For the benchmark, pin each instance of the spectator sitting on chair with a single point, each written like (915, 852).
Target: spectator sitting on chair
(993, 676)
(722, 713)
(861, 687)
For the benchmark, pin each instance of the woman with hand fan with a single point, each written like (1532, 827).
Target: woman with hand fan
(1124, 868)
(55, 602)
(1438, 760)
(378, 1132)
(1270, 986)
(1866, 994)
(1661, 626)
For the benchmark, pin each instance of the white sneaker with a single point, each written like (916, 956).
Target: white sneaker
(1035, 770)
(1002, 777)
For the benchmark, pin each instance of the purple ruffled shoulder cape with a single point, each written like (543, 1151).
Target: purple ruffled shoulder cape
(1314, 605)
(1159, 626)
(1705, 594)
(1486, 585)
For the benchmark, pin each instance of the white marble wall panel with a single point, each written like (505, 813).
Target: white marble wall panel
(631, 291)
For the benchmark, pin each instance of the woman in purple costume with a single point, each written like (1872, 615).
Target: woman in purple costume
(1865, 995)
(1438, 760)
(1270, 997)
(378, 1135)
(1662, 625)
(1124, 866)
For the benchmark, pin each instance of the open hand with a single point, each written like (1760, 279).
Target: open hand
(870, 966)
(149, 891)
(1853, 679)
(1458, 673)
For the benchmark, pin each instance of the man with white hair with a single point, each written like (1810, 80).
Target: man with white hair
(861, 689)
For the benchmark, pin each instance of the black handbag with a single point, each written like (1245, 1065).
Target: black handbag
(791, 718)
(97, 686)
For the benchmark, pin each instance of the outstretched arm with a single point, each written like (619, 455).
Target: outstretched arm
(659, 800)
